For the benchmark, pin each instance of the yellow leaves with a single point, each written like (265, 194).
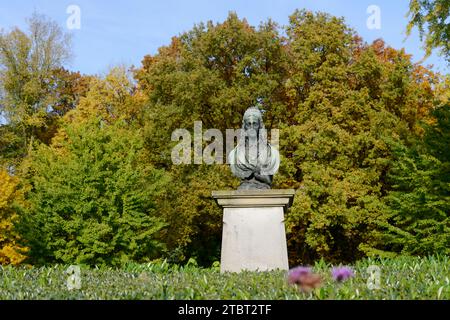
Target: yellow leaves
(8, 191)
(10, 252)
(111, 98)
(9, 255)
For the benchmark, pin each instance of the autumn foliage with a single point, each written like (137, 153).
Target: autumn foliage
(10, 251)
(354, 118)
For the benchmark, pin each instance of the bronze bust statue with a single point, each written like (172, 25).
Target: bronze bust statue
(254, 160)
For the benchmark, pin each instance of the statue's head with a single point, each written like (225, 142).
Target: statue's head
(252, 121)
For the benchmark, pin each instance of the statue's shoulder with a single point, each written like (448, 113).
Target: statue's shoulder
(232, 156)
(274, 156)
(274, 150)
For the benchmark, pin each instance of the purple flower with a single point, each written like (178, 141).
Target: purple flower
(341, 273)
(304, 278)
(297, 273)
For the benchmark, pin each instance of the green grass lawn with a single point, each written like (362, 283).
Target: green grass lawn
(400, 278)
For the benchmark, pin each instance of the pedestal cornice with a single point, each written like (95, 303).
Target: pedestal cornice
(254, 198)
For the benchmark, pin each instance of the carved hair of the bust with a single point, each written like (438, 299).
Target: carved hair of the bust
(253, 112)
(261, 134)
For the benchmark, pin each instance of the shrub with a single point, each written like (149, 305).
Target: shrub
(92, 198)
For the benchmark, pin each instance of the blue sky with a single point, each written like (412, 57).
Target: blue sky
(123, 32)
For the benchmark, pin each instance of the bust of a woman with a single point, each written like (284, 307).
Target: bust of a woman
(254, 160)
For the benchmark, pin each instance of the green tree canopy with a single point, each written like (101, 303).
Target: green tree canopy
(336, 100)
(91, 195)
(211, 74)
(363, 140)
(420, 195)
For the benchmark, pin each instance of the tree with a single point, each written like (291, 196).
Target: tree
(210, 74)
(434, 16)
(420, 194)
(34, 86)
(93, 196)
(336, 101)
(350, 98)
(92, 199)
(10, 251)
(113, 97)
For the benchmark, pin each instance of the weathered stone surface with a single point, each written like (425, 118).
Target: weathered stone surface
(254, 236)
(254, 198)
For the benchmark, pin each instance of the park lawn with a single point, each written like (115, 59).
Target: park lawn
(400, 278)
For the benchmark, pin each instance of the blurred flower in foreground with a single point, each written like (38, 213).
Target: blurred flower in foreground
(304, 278)
(342, 273)
(296, 273)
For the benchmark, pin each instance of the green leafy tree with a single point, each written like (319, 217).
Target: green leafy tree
(420, 196)
(92, 195)
(432, 19)
(337, 101)
(92, 199)
(349, 99)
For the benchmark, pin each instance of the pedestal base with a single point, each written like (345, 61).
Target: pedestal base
(254, 236)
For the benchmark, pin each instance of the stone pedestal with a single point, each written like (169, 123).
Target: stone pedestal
(254, 236)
